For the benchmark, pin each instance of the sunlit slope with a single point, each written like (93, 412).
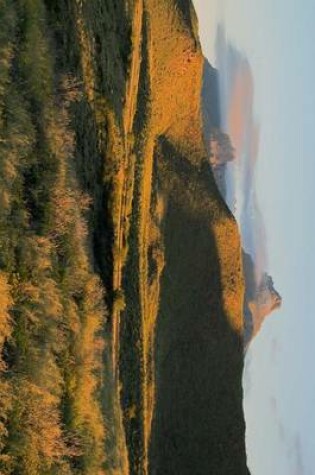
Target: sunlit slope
(120, 265)
(172, 65)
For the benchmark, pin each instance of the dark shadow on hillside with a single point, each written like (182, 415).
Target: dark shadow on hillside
(249, 274)
(210, 99)
(198, 428)
(108, 27)
(184, 6)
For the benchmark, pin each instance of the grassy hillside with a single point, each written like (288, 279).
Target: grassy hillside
(119, 262)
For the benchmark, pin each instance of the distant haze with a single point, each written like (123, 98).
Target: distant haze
(279, 390)
(237, 119)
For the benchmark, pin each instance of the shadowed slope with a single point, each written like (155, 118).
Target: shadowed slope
(198, 426)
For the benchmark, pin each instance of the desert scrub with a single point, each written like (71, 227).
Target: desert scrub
(36, 60)
(53, 311)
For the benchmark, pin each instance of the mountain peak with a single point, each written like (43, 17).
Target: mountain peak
(261, 299)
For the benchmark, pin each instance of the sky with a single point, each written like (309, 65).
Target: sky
(236, 85)
(277, 39)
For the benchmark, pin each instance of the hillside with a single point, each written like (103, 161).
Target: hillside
(121, 281)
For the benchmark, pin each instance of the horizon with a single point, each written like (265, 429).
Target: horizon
(279, 436)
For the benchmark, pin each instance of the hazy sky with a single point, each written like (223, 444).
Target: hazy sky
(278, 38)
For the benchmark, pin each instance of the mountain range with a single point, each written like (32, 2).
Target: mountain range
(121, 266)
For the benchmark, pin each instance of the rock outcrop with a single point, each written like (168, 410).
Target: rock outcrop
(261, 299)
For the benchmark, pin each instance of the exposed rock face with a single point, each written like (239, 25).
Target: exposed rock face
(221, 150)
(261, 299)
(267, 300)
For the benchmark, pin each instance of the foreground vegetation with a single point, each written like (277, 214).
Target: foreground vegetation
(53, 305)
(97, 143)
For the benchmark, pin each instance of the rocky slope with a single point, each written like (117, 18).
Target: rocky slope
(261, 299)
(121, 269)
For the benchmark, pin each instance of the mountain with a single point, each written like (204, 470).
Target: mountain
(261, 299)
(210, 95)
(121, 283)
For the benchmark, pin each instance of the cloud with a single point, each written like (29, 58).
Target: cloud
(275, 351)
(297, 456)
(273, 404)
(238, 120)
(291, 442)
(236, 86)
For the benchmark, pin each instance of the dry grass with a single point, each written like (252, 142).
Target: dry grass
(100, 120)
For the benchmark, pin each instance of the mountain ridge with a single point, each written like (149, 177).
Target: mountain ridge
(121, 264)
(221, 152)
